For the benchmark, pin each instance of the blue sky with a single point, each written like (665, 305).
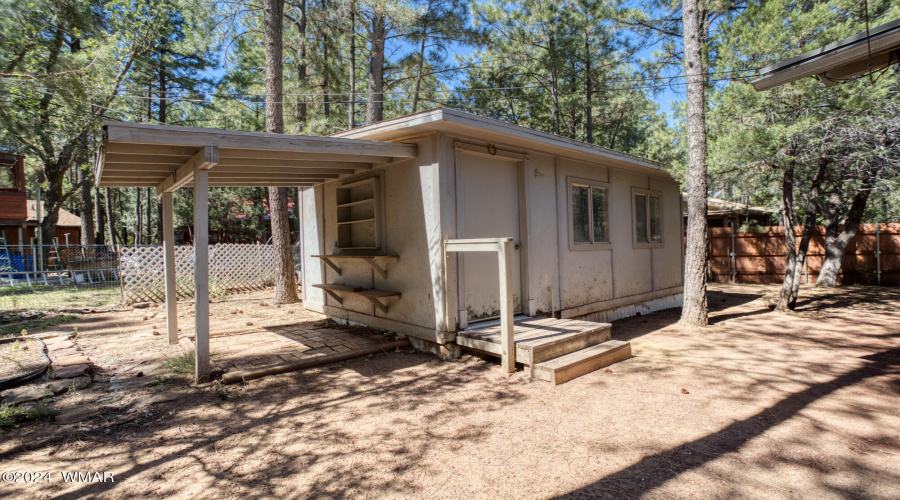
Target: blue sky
(667, 98)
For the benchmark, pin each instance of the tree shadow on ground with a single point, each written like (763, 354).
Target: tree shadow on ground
(718, 299)
(867, 297)
(654, 470)
(400, 404)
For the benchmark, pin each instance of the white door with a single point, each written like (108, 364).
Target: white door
(490, 209)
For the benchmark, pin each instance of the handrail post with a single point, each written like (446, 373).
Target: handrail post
(503, 248)
(508, 344)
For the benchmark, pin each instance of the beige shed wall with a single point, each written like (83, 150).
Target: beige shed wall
(420, 203)
(411, 216)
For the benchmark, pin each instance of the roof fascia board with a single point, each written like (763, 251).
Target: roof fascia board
(882, 38)
(506, 129)
(143, 133)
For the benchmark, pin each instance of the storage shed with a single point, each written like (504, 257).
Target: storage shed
(455, 230)
(596, 233)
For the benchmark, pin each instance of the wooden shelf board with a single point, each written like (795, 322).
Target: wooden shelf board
(339, 257)
(374, 296)
(357, 221)
(357, 202)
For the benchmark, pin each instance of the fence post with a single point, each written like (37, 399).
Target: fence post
(733, 263)
(877, 254)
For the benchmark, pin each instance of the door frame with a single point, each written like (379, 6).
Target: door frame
(521, 159)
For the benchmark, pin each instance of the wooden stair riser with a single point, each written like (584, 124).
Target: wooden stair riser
(564, 346)
(561, 374)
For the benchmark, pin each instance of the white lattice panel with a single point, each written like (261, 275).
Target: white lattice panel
(231, 267)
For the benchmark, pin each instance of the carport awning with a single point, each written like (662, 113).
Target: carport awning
(165, 157)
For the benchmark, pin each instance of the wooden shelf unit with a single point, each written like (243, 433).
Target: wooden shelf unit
(359, 215)
(376, 262)
(373, 295)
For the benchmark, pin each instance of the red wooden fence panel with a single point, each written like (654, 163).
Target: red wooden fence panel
(759, 257)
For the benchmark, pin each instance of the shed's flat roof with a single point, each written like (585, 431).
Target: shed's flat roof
(839, 60)
(146, 155)
(482, 129)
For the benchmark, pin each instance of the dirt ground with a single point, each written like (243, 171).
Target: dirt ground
(760, 404)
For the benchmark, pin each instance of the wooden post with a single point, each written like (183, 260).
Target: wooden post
(508, 344)
(169, 255)
(201, 276)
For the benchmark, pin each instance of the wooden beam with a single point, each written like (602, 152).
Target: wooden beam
(216, 175)
(283, 170)
(121, 184)
(168, 211)
(129, 168)
(263, 183)
(251, 155)
(116, 177)
(187, 136)
(149, 149)
(206, 158)
(298, 163)
(142, 159)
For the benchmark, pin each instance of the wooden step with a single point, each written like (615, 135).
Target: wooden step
(564, 368)
(537, 339)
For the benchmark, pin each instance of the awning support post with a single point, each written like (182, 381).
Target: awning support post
(201, 276)
(168, 214)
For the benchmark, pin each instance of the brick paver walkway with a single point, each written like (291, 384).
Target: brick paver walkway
(282, 344)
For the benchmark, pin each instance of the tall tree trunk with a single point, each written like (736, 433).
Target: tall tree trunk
(351, 106)
(790, 289)
(138, 213)
(285, 284)
(148, 225)
(836, 244)
(790, 241)
(695, 309)
(99, 218)
(301, 63)
(163, 97)
(375, 89)
(326, 99)
(110, 218)
(588, 92)
(85, 207)
(421, 68)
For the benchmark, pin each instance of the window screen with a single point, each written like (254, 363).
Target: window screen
(581, 214)
(590, 214)
(640, 218)
(599, 215)
(655, 220)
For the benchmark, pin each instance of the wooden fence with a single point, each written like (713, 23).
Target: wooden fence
(232, 267)
(872, 257)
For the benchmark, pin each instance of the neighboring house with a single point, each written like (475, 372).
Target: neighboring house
(597, 232)
(724, 213)
(69, 225)
(18, 215)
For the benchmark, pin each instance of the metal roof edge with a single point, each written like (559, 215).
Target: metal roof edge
(874, 33)
(471, 119)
